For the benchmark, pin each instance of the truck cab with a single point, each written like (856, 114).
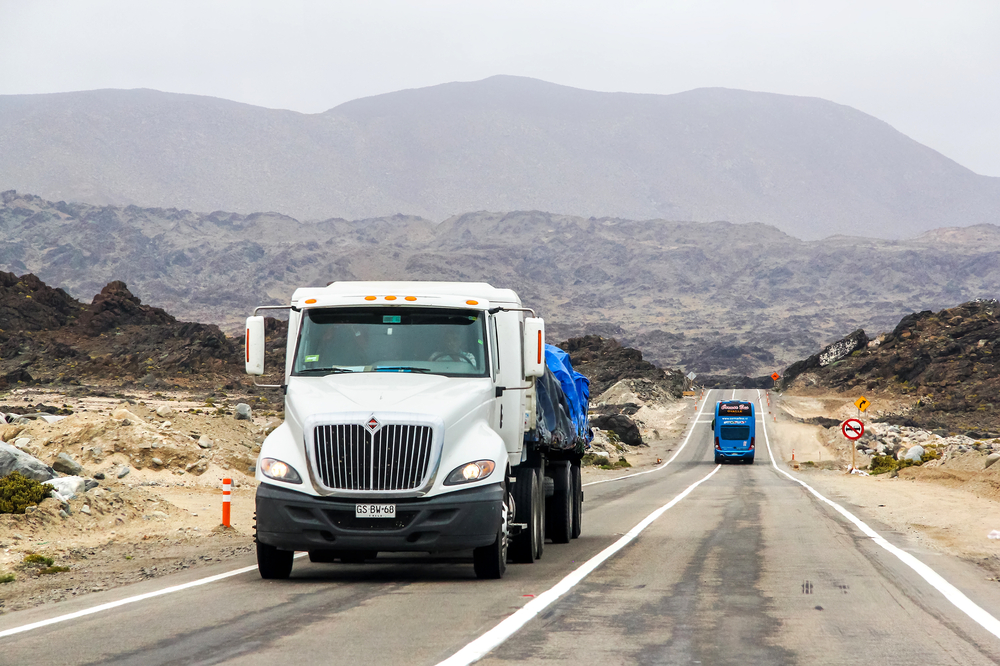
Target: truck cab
(407, 406)
(734, 429)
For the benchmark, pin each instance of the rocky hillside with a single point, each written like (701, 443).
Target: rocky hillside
(714, 298)
(809, 167)
(947, 361)
(49, 337)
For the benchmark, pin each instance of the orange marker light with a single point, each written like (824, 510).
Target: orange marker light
(411, 298)
(310, 301)
(539, 346)
(369, 298)
(390, 298)
(472, 302)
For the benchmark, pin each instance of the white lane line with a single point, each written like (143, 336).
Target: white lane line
(480, 647)
(734, 395)
(950, 592)
(664, 465)
(129, 600)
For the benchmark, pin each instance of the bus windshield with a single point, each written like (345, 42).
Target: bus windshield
(396, 339)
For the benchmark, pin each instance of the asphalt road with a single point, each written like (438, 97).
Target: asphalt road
(748, 567)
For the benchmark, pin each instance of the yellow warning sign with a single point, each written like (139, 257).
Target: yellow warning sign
(862, 403)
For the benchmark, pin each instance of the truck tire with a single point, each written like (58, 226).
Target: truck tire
(273, 564)
(559, 507)
(529, 509)
(490, 562)
(577, 498)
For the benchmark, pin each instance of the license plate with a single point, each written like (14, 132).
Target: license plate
(374, 510)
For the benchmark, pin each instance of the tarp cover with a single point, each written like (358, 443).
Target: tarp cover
(561, 396)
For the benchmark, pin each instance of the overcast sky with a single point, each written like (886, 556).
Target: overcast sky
(930, 69)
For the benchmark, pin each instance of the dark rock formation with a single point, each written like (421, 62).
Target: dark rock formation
(604, 361)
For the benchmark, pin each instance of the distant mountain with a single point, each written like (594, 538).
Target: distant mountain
(710, 297)
(807, 166)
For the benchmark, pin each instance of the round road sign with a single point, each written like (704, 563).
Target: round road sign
(852, 428)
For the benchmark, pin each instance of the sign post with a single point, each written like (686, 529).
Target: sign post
(862, 404)
(775, 377)
(852, 429)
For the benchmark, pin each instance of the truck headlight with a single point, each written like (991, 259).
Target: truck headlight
(279, 471)
(469, 472)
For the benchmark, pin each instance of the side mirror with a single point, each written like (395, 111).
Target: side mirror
(255, 346)
(534, 347)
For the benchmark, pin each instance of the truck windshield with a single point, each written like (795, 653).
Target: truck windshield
(391, 339)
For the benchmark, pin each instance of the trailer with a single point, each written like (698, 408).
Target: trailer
(419, 417)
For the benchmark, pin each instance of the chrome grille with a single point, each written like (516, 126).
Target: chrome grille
(349, 457)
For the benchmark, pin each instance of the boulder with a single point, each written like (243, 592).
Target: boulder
(992, 458)
(66, 465)
(13, 459)
(621, 425)
(205, 442)
(914, 453)
(67, 487)
(243, 412)
(164, 411)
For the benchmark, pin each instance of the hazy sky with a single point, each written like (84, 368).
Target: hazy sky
(930, 69)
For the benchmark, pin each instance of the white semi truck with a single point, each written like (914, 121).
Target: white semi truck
(420, 417)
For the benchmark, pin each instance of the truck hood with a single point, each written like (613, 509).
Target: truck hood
(448, 399)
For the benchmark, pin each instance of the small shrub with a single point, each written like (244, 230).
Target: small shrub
(35, 558)
(18, 492)
(52, 570)
(7, 578)
(621, 464)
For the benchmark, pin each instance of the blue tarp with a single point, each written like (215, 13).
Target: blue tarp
(575, 386)
(561, 399)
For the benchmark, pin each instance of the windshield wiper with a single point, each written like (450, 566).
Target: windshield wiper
(331, 371)
(399, 368)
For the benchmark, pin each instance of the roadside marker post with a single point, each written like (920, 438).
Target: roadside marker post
(227, 485)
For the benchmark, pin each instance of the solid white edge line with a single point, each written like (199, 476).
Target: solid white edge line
(129, 600)
(950, 592)
(480, 647)
(664, 465)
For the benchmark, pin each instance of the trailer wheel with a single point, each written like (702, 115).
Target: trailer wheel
(577, 498)
(273, 564)
(559, 507)
(490, 562)
(529, 505)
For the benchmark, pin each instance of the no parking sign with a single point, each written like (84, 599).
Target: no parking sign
(852, 429)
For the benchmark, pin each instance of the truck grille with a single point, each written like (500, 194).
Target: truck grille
(395, 457)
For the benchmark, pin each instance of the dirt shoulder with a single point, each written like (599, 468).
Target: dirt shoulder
(949, 505)
(158, 507)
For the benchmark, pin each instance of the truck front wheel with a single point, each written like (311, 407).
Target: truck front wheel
(273, 564)
(490, 562)
(529, 505)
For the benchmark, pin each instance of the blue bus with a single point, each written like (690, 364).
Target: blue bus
(735, 431)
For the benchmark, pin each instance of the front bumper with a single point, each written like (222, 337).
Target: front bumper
(461, 520)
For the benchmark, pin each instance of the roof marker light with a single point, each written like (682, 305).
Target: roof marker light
(411, 298)
(390, 298)
(310, 301)
(369, 298)
(472, 302)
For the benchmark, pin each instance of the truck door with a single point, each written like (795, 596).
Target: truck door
(508, 413)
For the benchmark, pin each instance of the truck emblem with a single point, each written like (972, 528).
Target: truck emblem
(373, 424)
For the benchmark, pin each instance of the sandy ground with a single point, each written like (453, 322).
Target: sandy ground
(950, 508)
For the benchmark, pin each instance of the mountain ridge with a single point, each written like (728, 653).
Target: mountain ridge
(808, 166)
